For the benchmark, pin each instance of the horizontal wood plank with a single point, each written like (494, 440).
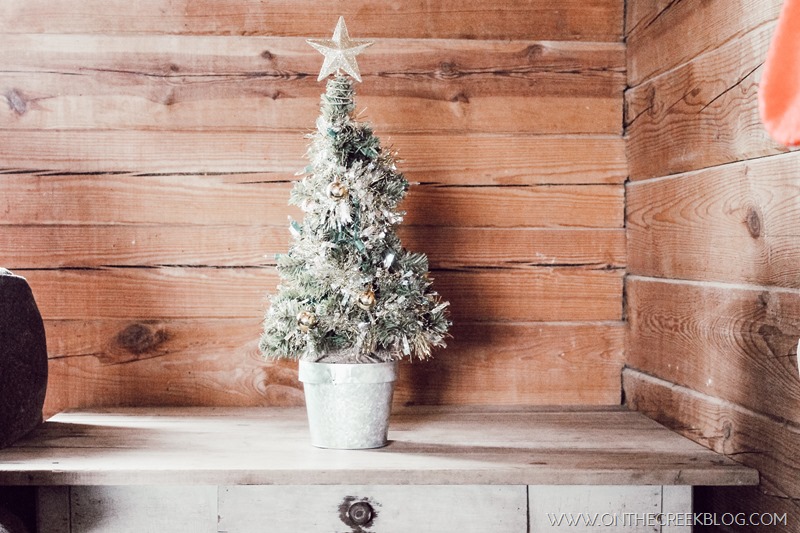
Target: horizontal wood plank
(587, 446)
(771, 447)
(704, 113)
(642, 13)
(268, 84)
(599, 20)
(290, 65)
(731, 342)
(59, 246)
(215, 362)
(540, 294)
(243, 199)
(735, 223)
(546, 294)
(567, 206)
(660, 43)
(445, 158)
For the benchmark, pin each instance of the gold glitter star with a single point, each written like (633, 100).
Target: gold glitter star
(340, 52)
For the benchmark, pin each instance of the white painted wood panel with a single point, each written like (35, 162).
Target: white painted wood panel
(676, 500)
(398, 509)
(592, 509)
(143, 509)
(52, 509)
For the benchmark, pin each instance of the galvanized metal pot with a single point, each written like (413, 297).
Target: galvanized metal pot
(348, 404)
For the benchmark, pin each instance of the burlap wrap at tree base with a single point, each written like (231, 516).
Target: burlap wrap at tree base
(23, 359)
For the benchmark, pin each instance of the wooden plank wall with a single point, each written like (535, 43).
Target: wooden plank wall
(713, 300)
(148, 149)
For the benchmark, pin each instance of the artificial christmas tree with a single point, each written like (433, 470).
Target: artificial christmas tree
(350, 293)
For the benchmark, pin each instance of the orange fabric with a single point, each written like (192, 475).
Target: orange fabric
(779, 92)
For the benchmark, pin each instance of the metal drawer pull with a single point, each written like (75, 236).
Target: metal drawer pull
(360, 513)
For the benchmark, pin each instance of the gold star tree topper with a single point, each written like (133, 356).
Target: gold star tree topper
(340, 52)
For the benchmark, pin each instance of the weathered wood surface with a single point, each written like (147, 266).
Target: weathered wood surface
(468, 509)
(599, 20)
(428, 447)
(538, 294)
(269, 84)
(662, 37)
(68, 245)
(723, 353)
(241, 200)
(771, 446)
(642, 13)
(216, 362)
(730, 342)
(464, 159)
(482, 160)
(735, 223)
(148, 150)
(541, 294)
(703, 113)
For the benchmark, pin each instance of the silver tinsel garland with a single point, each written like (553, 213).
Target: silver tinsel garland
(349, 291)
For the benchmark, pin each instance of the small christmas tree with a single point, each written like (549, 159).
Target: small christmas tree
(349, 291)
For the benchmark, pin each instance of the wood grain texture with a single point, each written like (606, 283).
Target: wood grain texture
(243, 199)
(520, 364)
(735, 223)
(60, 246)
(269, 84)
(703, 113)
(659, 41)
(185, 362)
(149, 149)
(427, 447)
(642, 13)
(548, 294)
(755, 440)
(730, 342)
(479, 159)
(599, 20)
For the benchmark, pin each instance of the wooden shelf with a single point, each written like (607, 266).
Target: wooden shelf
(268, 446)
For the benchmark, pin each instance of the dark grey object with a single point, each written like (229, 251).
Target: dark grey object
(23, 359)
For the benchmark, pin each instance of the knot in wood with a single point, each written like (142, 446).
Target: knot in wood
(753, 222)
(140, 338)
(534, 51)
(16, 102)
(448, 70)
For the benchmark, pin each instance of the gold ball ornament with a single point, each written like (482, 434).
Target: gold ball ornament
(306, 320)
(337, 191)
(366, 300)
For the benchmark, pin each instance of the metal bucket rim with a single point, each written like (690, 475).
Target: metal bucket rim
(319, 373)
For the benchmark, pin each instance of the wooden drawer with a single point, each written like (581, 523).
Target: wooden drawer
(394, 509)
(357, 509)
